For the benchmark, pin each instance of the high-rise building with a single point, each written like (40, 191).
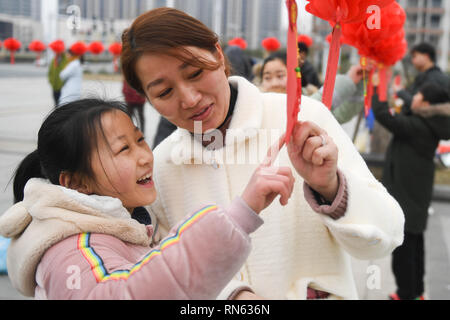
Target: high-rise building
(104, 20)
(429, 21)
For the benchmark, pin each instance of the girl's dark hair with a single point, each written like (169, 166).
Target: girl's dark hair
(434, 93)
(166, 31)
(278, 55)
(66, 140)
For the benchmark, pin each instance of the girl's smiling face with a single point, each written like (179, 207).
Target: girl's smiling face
(122, 162)
(274, 77)
(183, 93)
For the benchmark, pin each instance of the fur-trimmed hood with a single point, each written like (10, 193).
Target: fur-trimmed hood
(49, 214)
(437, 117)
(441, 109)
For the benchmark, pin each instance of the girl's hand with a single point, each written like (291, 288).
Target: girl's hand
(314, 156)
(268, 182)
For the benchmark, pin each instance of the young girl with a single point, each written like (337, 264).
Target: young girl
(78, 196)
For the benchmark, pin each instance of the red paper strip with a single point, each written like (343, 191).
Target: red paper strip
(294, 85)
(382, 86)
(332, 66)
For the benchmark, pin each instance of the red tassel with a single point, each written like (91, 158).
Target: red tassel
(294, 86)
(12, 61)
(332, 66)
(382, 87)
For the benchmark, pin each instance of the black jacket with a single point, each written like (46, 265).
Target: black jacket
(408, 173)
(433, 74)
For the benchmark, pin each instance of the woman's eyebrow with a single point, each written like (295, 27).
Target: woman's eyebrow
(154, 83)
(161, 80)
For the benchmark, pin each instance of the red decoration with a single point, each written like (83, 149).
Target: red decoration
(338, 13)
(343, 11)
(37, 46)
(238, 42)
(271, 44)
(115, 49)
(384, 44)
(305, 39)
(96, 47)
(294, 80)
(78, 48)
(12, 45)
(57, 46)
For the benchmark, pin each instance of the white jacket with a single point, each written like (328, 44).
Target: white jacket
(72, 75)
(296, 247)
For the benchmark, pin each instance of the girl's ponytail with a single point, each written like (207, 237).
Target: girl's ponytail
(30, 167)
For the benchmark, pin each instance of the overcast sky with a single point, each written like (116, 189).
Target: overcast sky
(304, 21)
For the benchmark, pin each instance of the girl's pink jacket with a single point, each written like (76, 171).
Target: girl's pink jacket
(66, 245)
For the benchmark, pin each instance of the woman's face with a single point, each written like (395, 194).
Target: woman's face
(123, 164)
(183, 93)
(274, 78)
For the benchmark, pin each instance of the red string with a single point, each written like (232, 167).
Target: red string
(294, 86)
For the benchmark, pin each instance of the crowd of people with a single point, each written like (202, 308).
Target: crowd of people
(195, 216)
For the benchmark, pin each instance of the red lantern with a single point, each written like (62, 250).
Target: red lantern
(96, 47)
(57, 46)
(78, 48)
(115, 49)
(343, 11)
(238, 42)
(37, 46)
(271, 44)
(338, 13)
(305, 39)
(12, 45)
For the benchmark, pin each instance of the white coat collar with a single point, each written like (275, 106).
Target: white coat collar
(245, 123)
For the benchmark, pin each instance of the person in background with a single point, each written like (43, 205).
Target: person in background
(57, 64)
(348, 91)
(241, 64)
(135, 104)
(72, 75)
(408, 175)
(423, 58)
(309, 74)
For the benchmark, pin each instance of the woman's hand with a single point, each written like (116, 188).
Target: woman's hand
(268, 182)
(314, 156)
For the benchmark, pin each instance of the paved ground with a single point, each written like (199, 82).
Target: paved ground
(25, 99)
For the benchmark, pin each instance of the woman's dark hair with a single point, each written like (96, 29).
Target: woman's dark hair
(164, 31)
(66, 140)
(425, 48)
(278, 55)
(434, 93)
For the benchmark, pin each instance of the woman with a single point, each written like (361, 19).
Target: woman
(302, 251)
(72, 75)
